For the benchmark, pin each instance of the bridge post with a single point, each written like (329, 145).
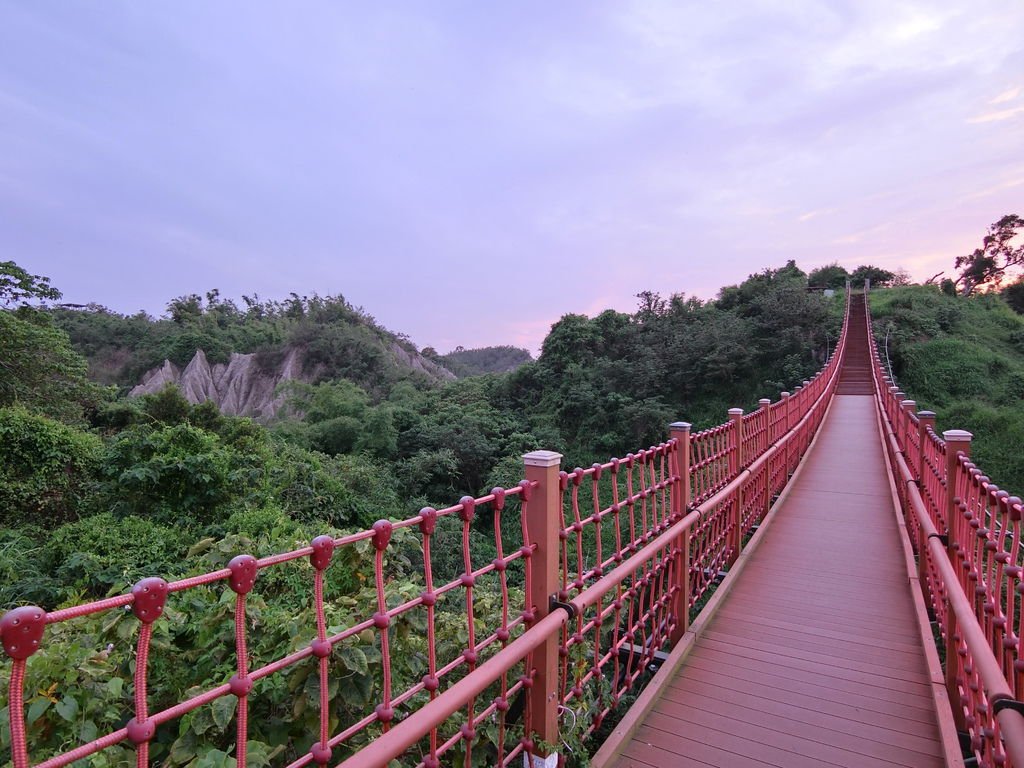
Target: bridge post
(544, 520)
(787, 400)
(764, 404)
(805, 438)
(957, 441)
(680, 431)
(908, 407)
(925, 419)
(735, 465)
(793, 451)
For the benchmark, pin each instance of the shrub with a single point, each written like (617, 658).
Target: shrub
(46, 469)
(174, 473)
(104, 552)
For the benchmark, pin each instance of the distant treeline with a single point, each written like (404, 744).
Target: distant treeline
(473, 362)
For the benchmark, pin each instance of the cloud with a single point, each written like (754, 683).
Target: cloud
(815, 214)
(999, 115)
(994, 189)
(1007, 95)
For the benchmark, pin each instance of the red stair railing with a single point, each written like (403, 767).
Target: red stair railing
(612, 558)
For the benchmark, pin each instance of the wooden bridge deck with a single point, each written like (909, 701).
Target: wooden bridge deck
(815, 656)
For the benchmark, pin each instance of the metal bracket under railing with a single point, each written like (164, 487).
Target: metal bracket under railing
(570, 608)
(1006, 703)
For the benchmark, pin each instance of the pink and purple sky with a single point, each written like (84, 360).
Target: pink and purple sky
(470, 171)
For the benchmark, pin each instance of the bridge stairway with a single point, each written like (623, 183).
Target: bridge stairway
(855, 377)
(814, 657)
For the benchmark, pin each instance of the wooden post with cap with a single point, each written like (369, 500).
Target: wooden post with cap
(680, 432)
(735, 465)
(793, 450)
(957, 441)
(544, 521)
(907, 407)
(766, 440)
(925, 419)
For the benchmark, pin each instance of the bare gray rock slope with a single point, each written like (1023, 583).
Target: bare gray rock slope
(241, 388)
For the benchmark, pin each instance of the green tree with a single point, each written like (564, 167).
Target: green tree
(829, 276)
(18, 286)
(879, 277)
(997, 254)
(39, 369)
(185, 309)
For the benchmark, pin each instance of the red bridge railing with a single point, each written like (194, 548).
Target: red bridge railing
(597, 570)
(966, 533)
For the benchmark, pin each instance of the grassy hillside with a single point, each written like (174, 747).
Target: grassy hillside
(964, 359)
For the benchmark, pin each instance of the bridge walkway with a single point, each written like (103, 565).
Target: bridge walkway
(815, 656)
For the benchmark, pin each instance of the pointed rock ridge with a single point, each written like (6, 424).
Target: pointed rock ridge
(197, 380)
(156, 379)
(239, 387)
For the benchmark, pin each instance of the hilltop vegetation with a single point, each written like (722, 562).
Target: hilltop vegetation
(338, 340)
(473, 362)
(962, 357)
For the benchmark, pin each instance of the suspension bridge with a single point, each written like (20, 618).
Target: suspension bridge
(825, 580)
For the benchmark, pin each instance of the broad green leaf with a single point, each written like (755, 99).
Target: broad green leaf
(260, 755)
(201, 546)
(359, 688)
(224, 710)
(202, 721)
(184, 748)
(215, 759)
(67, 708)
(354, 659)
(36, 710)
(115, 686)
(88, 731)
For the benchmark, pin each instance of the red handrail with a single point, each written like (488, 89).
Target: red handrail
(966, 533)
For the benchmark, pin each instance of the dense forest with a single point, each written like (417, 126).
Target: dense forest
(98, 489)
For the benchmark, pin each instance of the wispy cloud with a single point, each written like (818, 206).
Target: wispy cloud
(997, 116)
(1008, 95)
(815, 214)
